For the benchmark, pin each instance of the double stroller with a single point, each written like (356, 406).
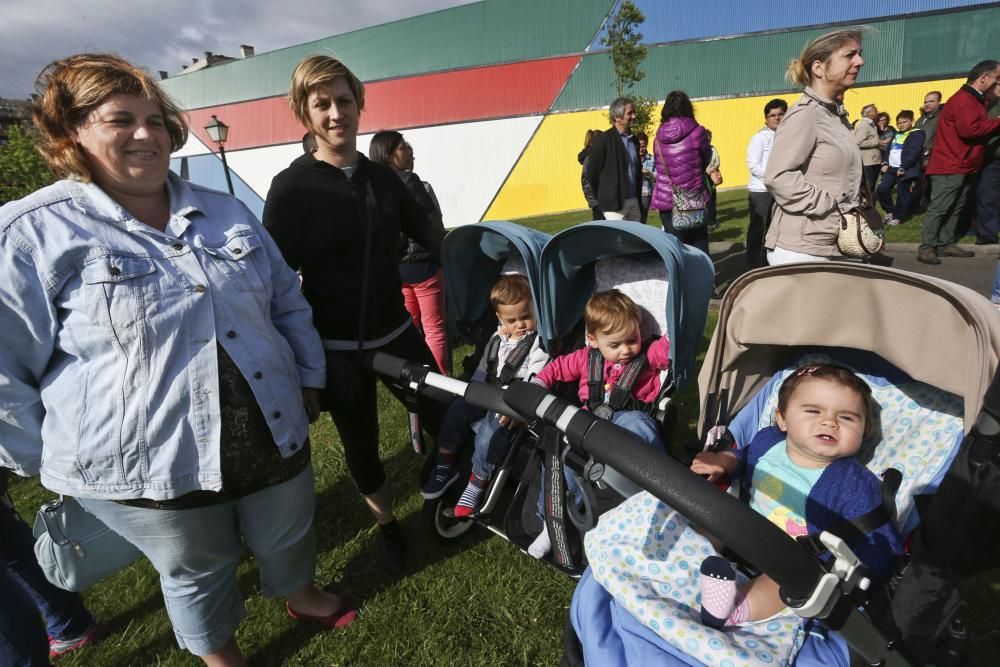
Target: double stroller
(672, 285)
(929, 350)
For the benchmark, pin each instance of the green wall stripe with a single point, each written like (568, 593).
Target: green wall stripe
(483, 33)
(906, 48)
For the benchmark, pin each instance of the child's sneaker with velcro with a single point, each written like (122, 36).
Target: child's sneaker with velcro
(440, 479)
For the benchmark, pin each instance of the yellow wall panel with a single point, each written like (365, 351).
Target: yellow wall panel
(546, 178)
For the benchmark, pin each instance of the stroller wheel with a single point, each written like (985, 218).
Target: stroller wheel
(444, 527)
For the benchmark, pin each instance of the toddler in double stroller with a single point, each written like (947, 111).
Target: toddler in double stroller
(513, 352)
(617, 374)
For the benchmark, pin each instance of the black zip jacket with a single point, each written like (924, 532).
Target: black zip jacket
(318, 218)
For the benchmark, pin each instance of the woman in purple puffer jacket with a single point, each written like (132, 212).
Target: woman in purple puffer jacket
(682, 151)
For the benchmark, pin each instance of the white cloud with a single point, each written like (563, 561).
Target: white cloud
(166, 34)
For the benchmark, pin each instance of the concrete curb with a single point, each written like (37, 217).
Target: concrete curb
(723, 247)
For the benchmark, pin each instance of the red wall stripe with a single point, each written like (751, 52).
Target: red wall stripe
(464, 95)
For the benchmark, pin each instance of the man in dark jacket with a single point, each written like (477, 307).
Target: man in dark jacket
(613, 166)
(929, 114)
(959, 147)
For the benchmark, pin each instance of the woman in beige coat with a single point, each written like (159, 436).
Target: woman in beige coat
(814, 170)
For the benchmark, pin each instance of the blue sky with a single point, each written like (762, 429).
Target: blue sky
(167, 34)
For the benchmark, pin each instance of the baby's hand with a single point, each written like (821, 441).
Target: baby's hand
(714, 464)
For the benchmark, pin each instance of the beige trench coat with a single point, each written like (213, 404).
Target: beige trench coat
(813, 173)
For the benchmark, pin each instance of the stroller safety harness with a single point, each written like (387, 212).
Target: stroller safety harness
(604, 403)
(511, 364)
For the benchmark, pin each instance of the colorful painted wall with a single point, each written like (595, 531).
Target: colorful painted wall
(495, 96)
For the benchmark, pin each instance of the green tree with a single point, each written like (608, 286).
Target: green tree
(624, 41)
(22, 168)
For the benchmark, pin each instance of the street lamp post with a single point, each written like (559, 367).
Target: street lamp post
(218, 132)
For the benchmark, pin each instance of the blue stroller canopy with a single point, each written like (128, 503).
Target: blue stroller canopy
(474, 256)
(567, 270)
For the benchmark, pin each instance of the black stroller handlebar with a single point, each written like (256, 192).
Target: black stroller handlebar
(743, 530)
(479, 394)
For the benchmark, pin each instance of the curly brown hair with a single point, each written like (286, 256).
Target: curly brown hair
(71, 88)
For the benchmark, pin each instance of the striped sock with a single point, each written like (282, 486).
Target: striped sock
(471, 497)
(741, 612)
(445, 459)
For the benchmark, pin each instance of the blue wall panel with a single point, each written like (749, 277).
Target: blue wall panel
(207, 170)
(676, 20)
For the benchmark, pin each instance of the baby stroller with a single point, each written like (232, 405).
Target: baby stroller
(474, 257)
(939, 416)
(672, 284)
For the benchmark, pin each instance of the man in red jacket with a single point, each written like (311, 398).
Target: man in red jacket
(959, 144)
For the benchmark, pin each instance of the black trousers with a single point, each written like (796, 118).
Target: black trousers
(760, 220)
(697, 237)
(355, 411)
(870, 173)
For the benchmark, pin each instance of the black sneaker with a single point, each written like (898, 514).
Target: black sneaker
(391, 547)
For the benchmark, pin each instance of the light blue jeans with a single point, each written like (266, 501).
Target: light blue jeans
(491, 439)
(196, 552)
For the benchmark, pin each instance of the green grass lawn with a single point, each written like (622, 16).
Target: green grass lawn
(733, 215)
(478, 601)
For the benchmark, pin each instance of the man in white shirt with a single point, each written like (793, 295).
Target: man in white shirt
(761, 201)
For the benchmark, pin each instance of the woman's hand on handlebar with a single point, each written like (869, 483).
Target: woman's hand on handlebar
(310, 398)
(714, 464)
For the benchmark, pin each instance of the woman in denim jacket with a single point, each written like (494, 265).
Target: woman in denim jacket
(158, 359)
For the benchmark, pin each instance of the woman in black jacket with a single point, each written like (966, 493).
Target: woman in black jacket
(419, 271)
(337, 218)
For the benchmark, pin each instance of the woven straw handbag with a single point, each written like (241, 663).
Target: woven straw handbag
(861, 233)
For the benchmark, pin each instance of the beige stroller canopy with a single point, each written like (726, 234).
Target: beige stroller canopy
(937, 332)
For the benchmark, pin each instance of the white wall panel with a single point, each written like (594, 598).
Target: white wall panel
(194, 146)
(466, 163)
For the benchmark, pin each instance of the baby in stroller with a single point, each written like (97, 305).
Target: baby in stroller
(617, 373)
(513, 352)
(802, 476)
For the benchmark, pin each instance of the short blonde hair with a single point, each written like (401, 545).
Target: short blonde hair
(71, 88)
(510, 289)
(315, 71)
(799, 71)
(609, 312)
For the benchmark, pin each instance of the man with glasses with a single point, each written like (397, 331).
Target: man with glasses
(761, 200)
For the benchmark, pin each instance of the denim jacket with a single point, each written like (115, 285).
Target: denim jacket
(108, 339)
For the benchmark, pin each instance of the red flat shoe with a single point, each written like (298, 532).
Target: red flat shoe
(343, 617)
